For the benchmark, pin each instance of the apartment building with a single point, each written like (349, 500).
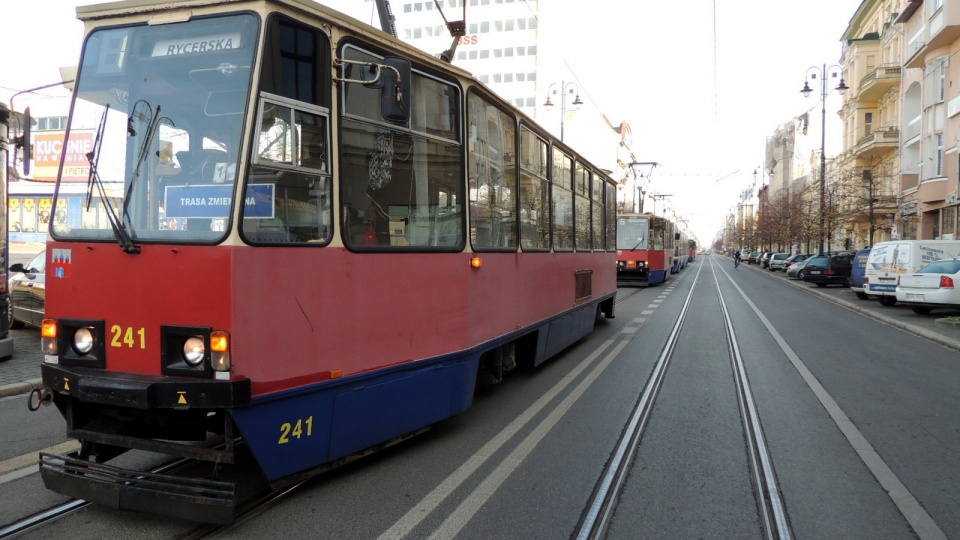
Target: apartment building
(930, 142)
(866, 183)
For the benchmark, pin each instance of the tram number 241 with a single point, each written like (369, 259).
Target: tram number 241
(125, 337)
(288, 430)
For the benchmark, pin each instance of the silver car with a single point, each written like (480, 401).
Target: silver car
(777, 260)
(793, 271)
(27, 292)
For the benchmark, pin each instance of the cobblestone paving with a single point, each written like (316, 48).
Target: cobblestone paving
(21, 372)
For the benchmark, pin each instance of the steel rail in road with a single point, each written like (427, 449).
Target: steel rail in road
(602, 505)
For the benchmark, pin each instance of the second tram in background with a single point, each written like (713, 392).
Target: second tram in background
(646, 249)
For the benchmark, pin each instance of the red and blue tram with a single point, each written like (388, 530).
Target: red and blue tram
(297, 232)
(646, 249)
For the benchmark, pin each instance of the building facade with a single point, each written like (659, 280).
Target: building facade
(865, 188)
(930, 172)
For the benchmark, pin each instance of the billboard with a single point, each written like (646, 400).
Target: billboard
(47, 149)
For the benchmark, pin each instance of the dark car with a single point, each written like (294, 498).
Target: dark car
(27, 292)
(824, 270)
(858, 275)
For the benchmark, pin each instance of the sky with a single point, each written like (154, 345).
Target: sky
(702, 83)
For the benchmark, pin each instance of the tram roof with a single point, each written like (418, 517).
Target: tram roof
(161, 11)
(172, 10)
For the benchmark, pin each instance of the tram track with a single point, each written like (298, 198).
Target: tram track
(601, 507)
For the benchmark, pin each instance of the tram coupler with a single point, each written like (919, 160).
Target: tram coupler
(39, 396)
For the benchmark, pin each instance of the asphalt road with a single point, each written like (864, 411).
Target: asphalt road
(858, 413)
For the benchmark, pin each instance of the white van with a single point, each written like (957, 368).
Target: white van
(888, 260)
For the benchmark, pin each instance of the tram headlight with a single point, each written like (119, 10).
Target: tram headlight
(193, 351)
(83, 341)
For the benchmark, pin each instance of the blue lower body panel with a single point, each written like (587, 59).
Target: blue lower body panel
(293, 431)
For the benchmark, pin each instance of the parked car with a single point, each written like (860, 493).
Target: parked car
(890, 260)
(829, 269)
(752, 258)
(27, 292)
(858, 274)
(935, 286)
(793, 271)
(794, 259)
(765, 260)
(776, 261)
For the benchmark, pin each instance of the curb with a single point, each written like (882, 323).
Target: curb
(922, 332)
(20, 388)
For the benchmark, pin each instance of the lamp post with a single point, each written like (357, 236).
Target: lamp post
(833, 70)
(577, 102)
(660, 196)
(639, 189)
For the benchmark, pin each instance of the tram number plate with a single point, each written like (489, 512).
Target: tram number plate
(915, 297)
(295, 430)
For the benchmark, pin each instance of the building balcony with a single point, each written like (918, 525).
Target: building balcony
(880, 142)
(878, 82)
(928, 32)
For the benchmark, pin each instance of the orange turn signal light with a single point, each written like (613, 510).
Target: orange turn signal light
(220, 341)
(48, 328)
(476, 262)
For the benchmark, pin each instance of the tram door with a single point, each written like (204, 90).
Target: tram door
(6, 144)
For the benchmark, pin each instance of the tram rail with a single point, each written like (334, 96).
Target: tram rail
(601, 507)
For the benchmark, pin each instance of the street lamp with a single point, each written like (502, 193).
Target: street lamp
(660, 196)
(833, 70)
(639, 189)
(563, 101)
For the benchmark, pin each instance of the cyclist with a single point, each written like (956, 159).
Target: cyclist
(736, 258)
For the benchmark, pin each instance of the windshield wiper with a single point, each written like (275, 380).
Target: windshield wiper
(121, 234)
(145, 145)
(642, 240)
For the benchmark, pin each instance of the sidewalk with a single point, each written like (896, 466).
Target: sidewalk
(21, 372)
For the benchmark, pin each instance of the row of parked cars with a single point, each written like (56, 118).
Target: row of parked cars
(923, 274)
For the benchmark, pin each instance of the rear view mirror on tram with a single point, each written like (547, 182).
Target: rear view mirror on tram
(23, 141)
(395, 92)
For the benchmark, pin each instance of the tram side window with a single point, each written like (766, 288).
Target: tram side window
(598, 214)
(289, 192)
(401, 184)
(582, 209)
(563, 217)
(294, 56)
(611, 221)
(492, 173)
(534, 193)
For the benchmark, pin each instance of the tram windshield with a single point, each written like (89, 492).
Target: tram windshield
(633, 233)
(154, 137)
